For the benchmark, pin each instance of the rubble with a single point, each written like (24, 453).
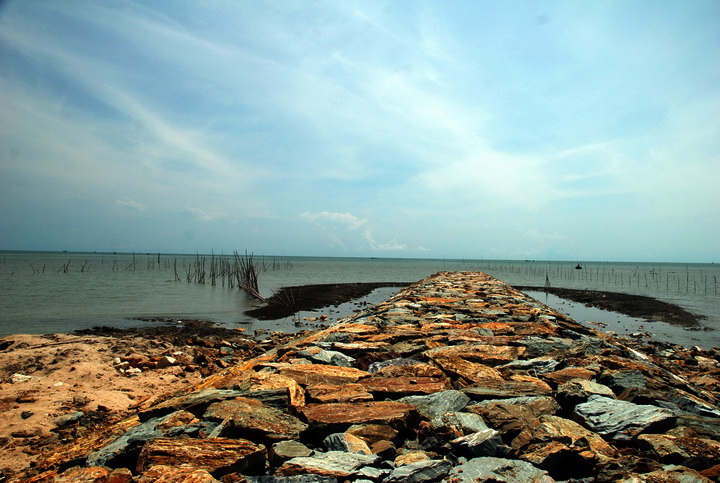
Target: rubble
(457, 378)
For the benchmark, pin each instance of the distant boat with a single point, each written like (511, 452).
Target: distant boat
(578, 267)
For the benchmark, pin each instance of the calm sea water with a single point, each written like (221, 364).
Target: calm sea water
(43, 292)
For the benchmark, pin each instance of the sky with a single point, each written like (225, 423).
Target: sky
(565, 130)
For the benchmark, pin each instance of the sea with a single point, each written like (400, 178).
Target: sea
(51, 292)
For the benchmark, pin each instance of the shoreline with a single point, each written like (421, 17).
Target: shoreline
(456, 376)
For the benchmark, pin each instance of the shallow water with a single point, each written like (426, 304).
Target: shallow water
(38, 296)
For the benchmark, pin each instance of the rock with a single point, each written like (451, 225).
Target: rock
(392, 413)
(578, 391)
(166, 361)
(327, 357)
(175, 474)
(490, 355)
(342, 393)
(674, 474)
(621, 420)
(251, 419)
(195, 402)
(20, 378)
(291, 479)
(285, 450)
(69, 419)
(123, 447)
(373, 433)
(435, 405)
(333, 463)
(311, 374)
(481, 443)
(465, 422)
(538, 365)
(511, 416)
(411, 457)
(79, 474)
(250, 382)
(562, 447)
(420, 472)
(218, 456)
(693, 452)
(403, 386)
(621, 380)
(568, 374)
(347, 443)
(497, 470)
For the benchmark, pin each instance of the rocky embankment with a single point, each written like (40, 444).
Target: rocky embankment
(457, 378)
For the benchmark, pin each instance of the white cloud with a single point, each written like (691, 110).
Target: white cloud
(131, 204)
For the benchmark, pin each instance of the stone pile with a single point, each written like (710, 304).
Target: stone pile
(457, 378)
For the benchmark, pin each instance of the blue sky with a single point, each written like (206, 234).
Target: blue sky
(461, 129)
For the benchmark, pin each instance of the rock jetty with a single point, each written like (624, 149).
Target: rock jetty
(457, 378)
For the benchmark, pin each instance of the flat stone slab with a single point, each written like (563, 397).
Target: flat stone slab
(392, 413)
(333, 463)
(497, 470)
(621, 420)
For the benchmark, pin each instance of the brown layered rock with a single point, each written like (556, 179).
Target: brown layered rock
(249, 417)
(337, 393)
(404, 385)
(512, 416)
(217, 456)
(312, 374)
(395, 414)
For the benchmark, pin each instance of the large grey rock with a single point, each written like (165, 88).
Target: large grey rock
(130, 441)
(420, 472)
(435, 405)
(291, 479)
(328, 357)
(539, 365)
(622, 420)
(286, 450)
(400, 361)
(467, 422)
(619, 381)
(333, 463)
(497, 470)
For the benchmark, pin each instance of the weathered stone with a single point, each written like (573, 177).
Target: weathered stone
(410, 370)
(183, 473)
(373, 433)
(218, 456)
(94, 474)
(250, 382)
(384, 448)
(347, 443)
(327, 357)
(403, 386)
(420, 472)
(311, 374)
(578, 391)
(395, 414)
(195, 402)
(497, 470)
(282, 451)
(333, 463)
(481, 443)
(291, 479)
(435, 405)
(466, 422)
(620, 380)
(511, 416)
(538, 365)
(673, 474)
(397, 362)
(251, 419)
(562, 447)
(408, 457)
(484, 354)
(338, 393)
(568, 374)
(128, 442)
(693, 452)
(622, 420)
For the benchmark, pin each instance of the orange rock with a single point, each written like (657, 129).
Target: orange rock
(216, 455)
(404, 386)
(338, 393)
(391, 413)
(311, 374)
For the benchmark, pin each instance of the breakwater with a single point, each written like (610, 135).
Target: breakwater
(458, 377)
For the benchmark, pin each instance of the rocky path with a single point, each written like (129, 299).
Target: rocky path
(457, 378)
